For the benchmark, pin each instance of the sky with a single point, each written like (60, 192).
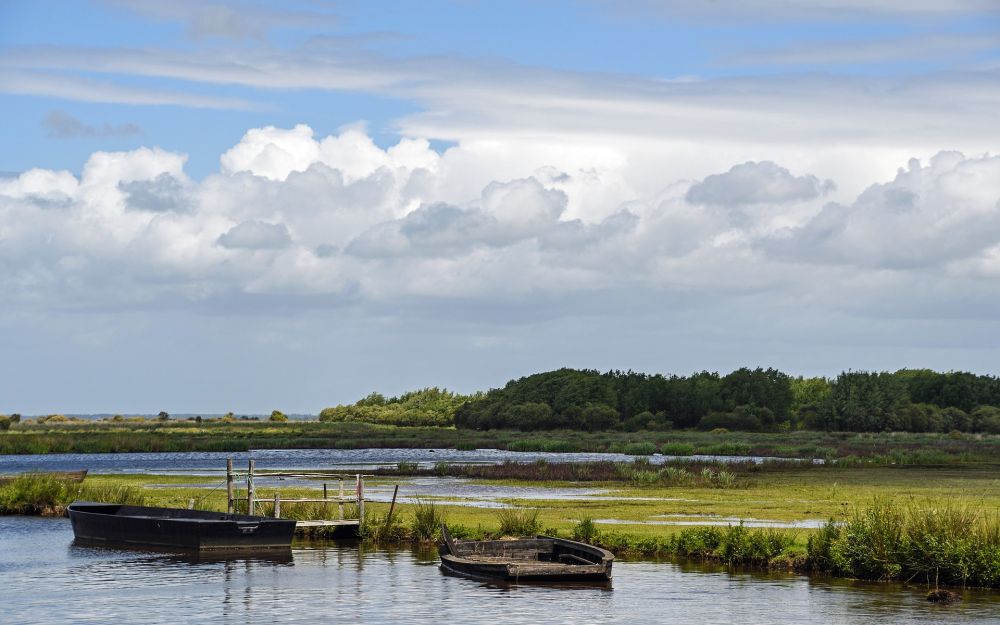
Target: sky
(209, 205)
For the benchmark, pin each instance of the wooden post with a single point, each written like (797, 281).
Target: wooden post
(340, 500)
(250, 493)
(277, 505)
(324, 500)
(359, 491)
(190, 504)
(388, 519)
(229, 485)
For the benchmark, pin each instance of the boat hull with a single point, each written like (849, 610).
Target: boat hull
(542, 559)
(174, 528)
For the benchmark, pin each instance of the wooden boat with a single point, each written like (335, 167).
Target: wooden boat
(175, 528)
(68, 476)
(541, 559)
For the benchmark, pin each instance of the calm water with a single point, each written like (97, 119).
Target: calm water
(207, 462)
(45, 579)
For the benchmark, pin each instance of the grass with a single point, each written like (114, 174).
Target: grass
(42, 494)
(427, 521)
(177, 435)
(518, 522)
(937, 525)
(950, 544)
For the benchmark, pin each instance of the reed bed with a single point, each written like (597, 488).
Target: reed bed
(936, 544)
(48, 495)
(84, 436)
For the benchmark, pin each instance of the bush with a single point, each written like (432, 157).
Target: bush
(518, 522)
(677, 449)
(427, 521)
(277, 415)
(5, 423)
(741, 422)
(585, 530)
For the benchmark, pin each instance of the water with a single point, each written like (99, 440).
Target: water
(210, 462)
(46, 579)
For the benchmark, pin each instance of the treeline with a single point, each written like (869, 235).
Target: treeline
(429, 406)
(746, 399)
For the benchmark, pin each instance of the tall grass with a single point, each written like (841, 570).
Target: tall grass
(427, 521)
(937, 544)
(40, 493)
(519, 521)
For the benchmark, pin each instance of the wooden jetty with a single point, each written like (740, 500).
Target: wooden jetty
(330, 528)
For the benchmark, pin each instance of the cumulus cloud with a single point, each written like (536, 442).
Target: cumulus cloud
(62, 125)
(163, 193)
(757, 183)
(256, 235)
(929, 215)
(338, 219)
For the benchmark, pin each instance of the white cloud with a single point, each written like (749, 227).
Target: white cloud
(395, 227)
(256, 235)
(929, 215)
(757, 183)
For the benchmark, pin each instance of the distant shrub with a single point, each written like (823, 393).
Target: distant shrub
(644, 448)
(677, 449)
(5, 423)
(277, 415)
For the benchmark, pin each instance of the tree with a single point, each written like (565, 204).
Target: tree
(163, 416)
(277, 415)
(861, 401)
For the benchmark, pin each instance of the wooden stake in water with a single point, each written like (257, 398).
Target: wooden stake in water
(229, 485)
(340, 500)
(277, 505)
(359, 490)
(388, 519)
(250, 492)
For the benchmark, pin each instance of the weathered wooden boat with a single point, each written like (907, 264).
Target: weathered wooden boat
(175, 528)
(541, 559)
(68, 476)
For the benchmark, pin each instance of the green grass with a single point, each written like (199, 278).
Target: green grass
(39, 493)
(153, 436)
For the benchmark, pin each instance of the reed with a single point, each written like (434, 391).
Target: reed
(427, 521)
(35, 494)
(519, 521)
(937, 544)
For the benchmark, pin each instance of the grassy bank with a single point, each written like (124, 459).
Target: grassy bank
(168, 436)
(926, 525)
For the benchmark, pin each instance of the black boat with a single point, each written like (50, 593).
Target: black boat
(175, 528)
(541, 559)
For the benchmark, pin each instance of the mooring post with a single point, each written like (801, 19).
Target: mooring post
(324, 500)
(340, 500)
(360, 492)
(277, 505)
(250, 493)
(229, 485)
(190, 504)
(388, 519)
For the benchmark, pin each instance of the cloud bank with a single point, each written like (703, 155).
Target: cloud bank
(341, 220)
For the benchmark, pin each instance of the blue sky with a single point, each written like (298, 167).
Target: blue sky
(387, 195)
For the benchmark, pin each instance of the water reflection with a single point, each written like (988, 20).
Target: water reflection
(47, 579)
